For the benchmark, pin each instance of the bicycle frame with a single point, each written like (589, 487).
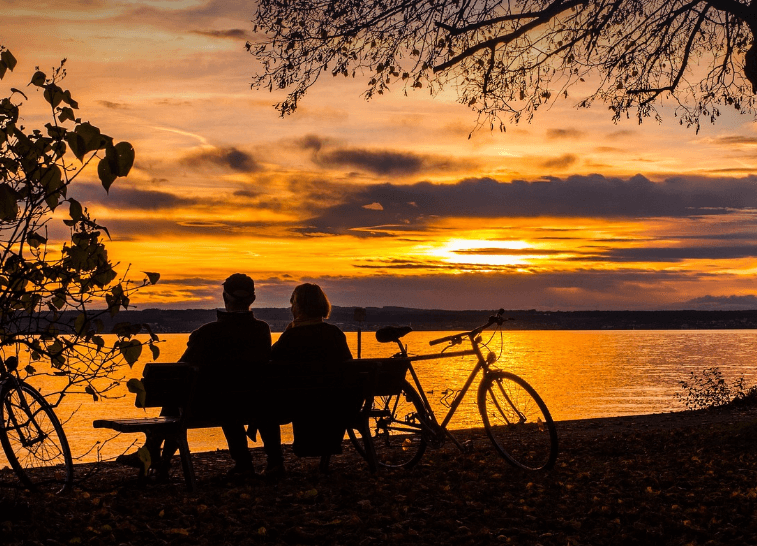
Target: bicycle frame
(481, 364)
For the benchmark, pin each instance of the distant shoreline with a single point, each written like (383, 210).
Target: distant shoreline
(187, 320)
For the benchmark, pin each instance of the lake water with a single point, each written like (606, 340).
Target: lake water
(579, 374)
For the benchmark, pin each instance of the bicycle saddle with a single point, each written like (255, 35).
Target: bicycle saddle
(392, 333)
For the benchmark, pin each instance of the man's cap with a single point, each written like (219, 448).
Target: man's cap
(239, 285)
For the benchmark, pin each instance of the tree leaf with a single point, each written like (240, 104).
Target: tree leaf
(125, 154)
(75, 209)
(38, 79)
(76, 143)
(152, 277)
(9, 60)
(68, 100)
(66, 114)
(105, 174)
(52, 200)
(52, 179)
(11, 363)
(136, 386)
(53, 94)
(89, 390)
(155, 351)
(103, 278)
(55, 348)
(53, 183)
(57, 133)
(35, 240)
(8, 202)
(90, 135)
(58, 300)
(131, 350)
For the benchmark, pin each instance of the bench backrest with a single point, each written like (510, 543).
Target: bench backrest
(176, 384)
(168, 384)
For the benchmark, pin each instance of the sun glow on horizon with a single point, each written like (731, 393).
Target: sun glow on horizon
(483, 252)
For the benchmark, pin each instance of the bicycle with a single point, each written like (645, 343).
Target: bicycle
(31, 434)
(516, 420)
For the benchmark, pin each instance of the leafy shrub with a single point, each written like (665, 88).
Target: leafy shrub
(744, 396)
(56, 280)
(711, 390)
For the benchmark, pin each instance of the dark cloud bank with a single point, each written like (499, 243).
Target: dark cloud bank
(229, 158)
(592, 196)
(380, 162)
(677, 254)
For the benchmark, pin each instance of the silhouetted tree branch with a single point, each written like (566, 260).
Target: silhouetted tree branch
(506, 58)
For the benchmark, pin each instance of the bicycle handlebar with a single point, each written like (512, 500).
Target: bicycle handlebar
(456, 339)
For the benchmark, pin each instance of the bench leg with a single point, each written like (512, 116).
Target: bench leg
(370, 451)
(186, 460)
(324, 466)
(141, 477)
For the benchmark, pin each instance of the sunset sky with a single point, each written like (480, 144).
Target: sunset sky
(384, 202)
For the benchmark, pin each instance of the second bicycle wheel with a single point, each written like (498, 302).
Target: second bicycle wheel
(396, 425)
(33, 439)
(517, 421)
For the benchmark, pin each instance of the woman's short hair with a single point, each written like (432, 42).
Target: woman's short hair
(311, 300)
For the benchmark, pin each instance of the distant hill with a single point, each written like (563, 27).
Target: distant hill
(186, 320)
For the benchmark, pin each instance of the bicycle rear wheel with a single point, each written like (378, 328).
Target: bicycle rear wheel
(517, 421)
(33, 439)
(395, 424)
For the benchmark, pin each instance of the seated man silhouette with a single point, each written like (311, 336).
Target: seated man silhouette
(225, 351)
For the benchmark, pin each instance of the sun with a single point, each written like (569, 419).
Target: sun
(483, 252)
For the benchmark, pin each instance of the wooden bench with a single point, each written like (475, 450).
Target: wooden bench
(321, 399)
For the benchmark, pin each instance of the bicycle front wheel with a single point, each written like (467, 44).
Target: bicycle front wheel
(517, 421)
(33, 439)
(396, 426)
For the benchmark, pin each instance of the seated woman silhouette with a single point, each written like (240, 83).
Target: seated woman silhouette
(307, 337)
